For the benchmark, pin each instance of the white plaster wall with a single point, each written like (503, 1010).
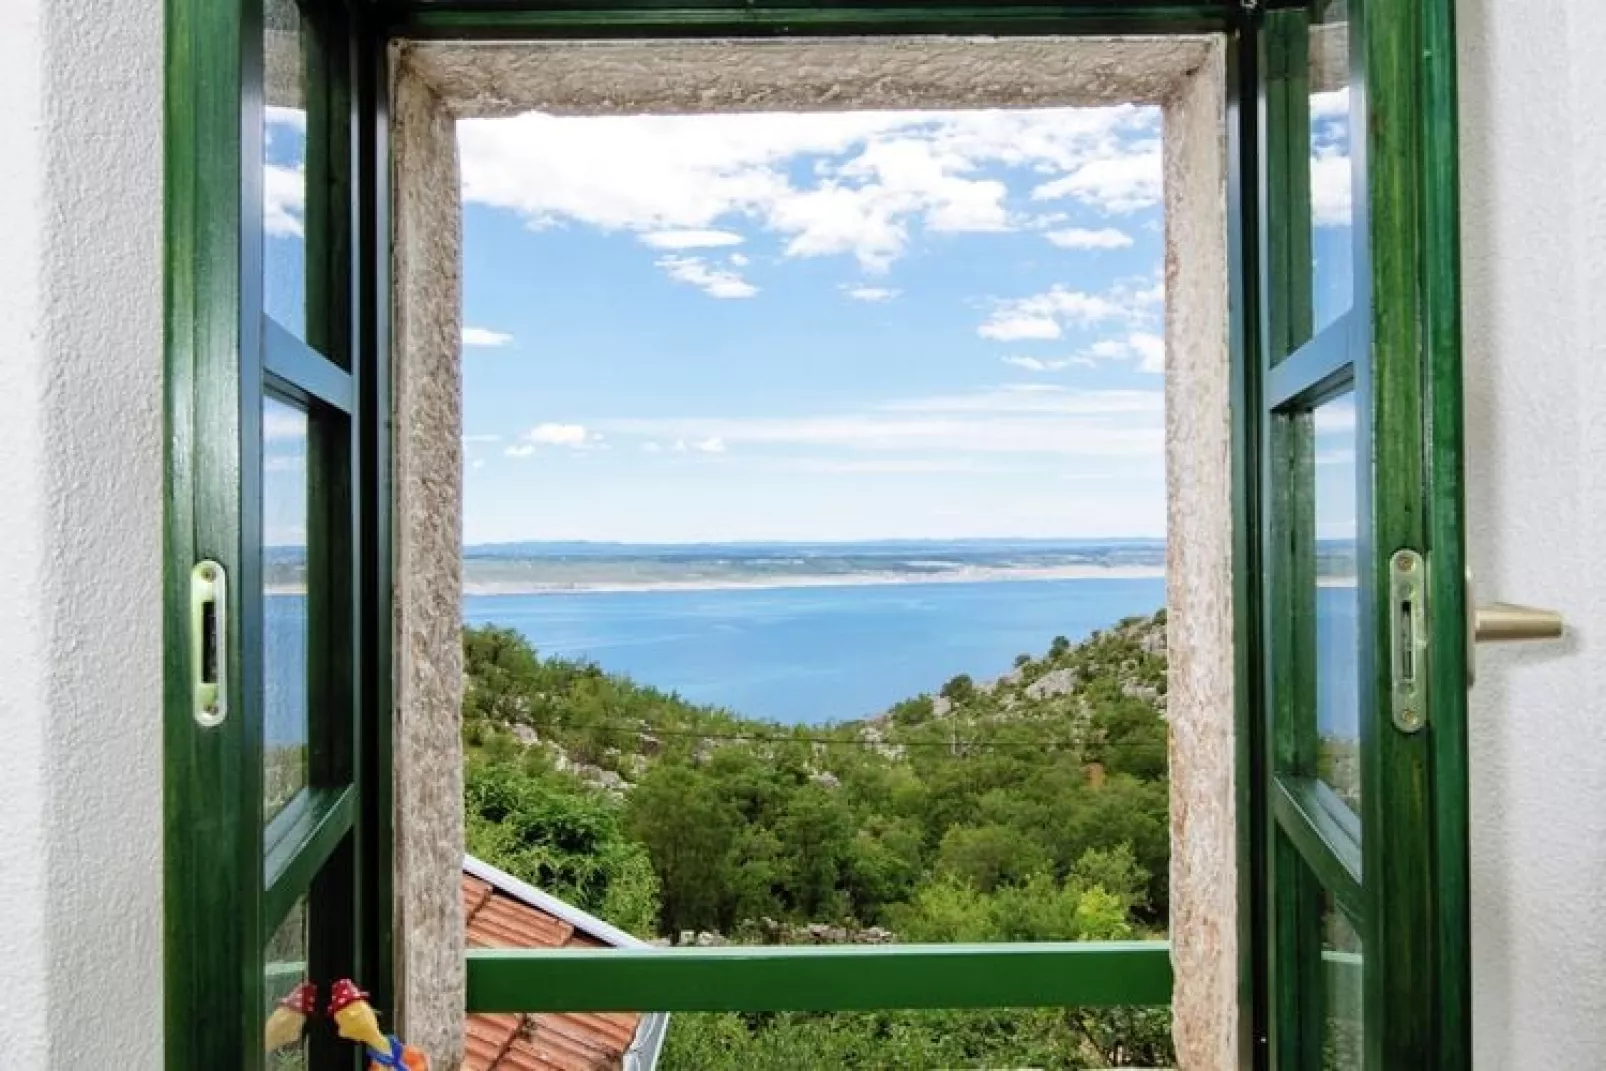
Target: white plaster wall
(80, 534)
(1533, 90)
(80, 487)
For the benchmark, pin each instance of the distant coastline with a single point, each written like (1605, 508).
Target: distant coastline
(528, 569)
(969, 575)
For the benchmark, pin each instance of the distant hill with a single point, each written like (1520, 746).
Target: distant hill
(534, 567)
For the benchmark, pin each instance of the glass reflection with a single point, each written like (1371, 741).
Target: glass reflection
(1331, 170)
(1337, 603)
(284, 168)
(284, 604)
(290, 999)
(1343, 964)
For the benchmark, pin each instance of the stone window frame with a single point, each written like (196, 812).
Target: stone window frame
(436, 83)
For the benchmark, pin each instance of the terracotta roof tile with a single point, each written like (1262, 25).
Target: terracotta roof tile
(545, 1042)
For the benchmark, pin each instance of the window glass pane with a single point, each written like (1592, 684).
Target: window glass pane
(284, 168)
(1342, 963)
(284, 625)
(286, 993)
(1337, 637)
(1331, 170)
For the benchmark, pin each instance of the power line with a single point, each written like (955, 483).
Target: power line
(952, 744)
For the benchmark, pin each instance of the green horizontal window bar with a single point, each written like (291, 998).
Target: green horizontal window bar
(492, 19)
(815, 978)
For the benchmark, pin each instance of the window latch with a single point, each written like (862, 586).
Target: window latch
(209, 651)
(1408, 614)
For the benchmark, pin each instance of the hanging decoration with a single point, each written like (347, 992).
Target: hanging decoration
(356, 1020)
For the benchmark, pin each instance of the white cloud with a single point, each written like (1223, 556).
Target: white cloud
(1330, 192)
(482, 438)
(1149, 349)
(1080, 238)
(1117, 184)
(691, 239)
(485, 337)
(711, 445)
(1331, 106)
(1022, 419)
(715, 282)
(1336, 417)
(871, 293)
(899, 466)
(1144, 347)
(283, 423)
(570, 435)
(520, 450)
(277, 115)
(875, 175)
(1108, 349)
(652, 448)
(477, 463)
(1033, 398)
(1043, 316)
(1038, 364)
(1016, 326)
(284, 200)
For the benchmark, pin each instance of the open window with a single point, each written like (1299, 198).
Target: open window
(1347, 619)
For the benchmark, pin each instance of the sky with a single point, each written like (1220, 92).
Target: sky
(830, 326)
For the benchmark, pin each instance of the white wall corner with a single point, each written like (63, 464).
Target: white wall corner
(81, 435)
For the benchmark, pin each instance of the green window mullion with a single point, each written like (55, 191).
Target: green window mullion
(1296, 968)
(491, 20)
(1316, 829)
(1314, 365)
(1280, 224)
(327, 58)
(373, 880)
(302, 370)
(331, 646)
(300, 841)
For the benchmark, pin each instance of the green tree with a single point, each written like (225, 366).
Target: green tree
(815, 831)
(502, 671)
(883, 865)
(562, 839)
(987, 857)
(960, 689)
(687, 826)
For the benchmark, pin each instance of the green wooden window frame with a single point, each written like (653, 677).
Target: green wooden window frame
(1395, 866)
(219, 905)
(231, 880)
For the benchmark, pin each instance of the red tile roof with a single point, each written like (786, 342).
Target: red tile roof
(543, 1042)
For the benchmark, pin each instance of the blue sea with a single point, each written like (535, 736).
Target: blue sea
(806, 655)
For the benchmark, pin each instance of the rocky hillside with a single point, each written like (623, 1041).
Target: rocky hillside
(1028, 807)
(1091, 713)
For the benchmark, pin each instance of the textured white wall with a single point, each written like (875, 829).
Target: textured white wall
(80, 534)
(80, 439)
(1533, 91)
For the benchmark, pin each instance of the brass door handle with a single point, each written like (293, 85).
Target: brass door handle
(1503, 622)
